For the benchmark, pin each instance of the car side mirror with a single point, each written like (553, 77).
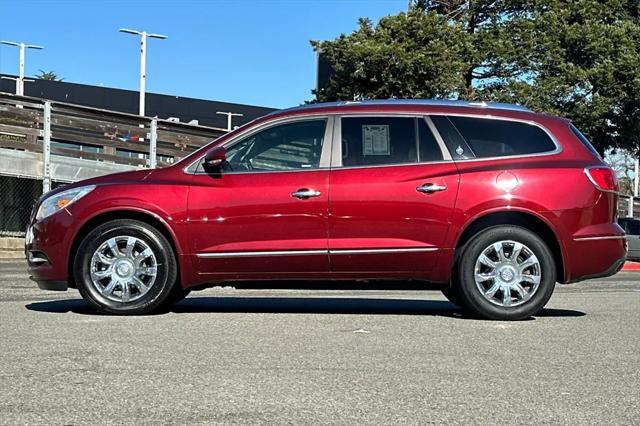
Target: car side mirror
(215, 159)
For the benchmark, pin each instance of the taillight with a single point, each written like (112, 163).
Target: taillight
(603, 178)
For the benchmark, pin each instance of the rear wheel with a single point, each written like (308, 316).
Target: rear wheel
(125, 267)
(506, 273)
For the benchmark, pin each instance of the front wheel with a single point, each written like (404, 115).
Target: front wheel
(452, 293)
(506, 273)
(125, 267)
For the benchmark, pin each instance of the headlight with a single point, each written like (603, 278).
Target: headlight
(57, 202)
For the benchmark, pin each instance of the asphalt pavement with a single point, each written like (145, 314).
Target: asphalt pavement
(319, 357)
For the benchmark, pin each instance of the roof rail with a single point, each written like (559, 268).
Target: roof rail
(426, 102)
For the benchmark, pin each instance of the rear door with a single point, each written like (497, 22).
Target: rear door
(393, 187)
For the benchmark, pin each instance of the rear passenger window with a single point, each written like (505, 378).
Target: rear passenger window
(369, 141)
(500, 138)
(429, 148)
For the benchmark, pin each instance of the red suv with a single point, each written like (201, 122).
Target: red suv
(492, 201)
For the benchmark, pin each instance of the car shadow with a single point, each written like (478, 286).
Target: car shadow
(298, 305)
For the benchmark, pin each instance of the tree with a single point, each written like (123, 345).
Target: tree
(579, 59)
(624, 164)
(395, 58)
(585, 65)
(49, 75)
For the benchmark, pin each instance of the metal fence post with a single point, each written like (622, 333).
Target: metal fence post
(46, 149)
(153, 141)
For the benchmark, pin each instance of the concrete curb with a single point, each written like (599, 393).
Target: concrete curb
(11, 248)
(11, 254)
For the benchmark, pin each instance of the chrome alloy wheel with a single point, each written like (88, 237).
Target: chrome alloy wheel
(507, 273)
(123, 269)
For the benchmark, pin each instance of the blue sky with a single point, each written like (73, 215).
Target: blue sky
(245, 51)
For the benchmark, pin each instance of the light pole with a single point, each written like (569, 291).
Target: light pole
(22, 47)
(230, 116)
(143, 59)
(636, 186)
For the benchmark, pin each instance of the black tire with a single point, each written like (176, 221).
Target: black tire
(160, 290)
(177, 294)
(470, 293)
(452, 293)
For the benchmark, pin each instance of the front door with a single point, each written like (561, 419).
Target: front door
(267, 210)
(393, 190)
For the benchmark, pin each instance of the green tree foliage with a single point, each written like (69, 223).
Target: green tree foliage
(49, 75)
(579, 59)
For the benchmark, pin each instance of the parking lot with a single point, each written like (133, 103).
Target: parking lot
(225, 356)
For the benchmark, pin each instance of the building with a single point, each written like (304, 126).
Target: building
(93, 131)
(162, 106)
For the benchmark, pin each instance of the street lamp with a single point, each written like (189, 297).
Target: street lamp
(143, 59)
(636, 181)
(22, 47)
(230, 116)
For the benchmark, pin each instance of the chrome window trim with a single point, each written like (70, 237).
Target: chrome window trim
(558, 149)
(436, 134)
(336, 158)
(336, 139)
(313, 252)
(380, 166)
(336, 151)
(325, 154)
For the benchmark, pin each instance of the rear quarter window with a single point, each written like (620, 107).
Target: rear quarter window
(502, 138)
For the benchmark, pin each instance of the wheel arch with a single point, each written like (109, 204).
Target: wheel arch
(147, 217)
(527, 220)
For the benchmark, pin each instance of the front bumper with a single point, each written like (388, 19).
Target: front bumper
(47, 249)
(51, 285)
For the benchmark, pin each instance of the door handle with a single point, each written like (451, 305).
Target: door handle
(304, 193)
(430, 188)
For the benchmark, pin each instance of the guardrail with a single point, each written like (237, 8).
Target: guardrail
(629, 206)
(45, 143)
(67, 130)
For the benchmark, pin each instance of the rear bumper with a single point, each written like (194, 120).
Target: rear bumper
(595, 257)
(614, 269)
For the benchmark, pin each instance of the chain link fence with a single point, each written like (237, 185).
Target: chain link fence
(17, 196)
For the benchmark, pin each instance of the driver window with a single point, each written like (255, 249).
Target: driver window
(291, 146)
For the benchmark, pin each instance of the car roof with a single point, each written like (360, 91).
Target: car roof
(403, 102)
